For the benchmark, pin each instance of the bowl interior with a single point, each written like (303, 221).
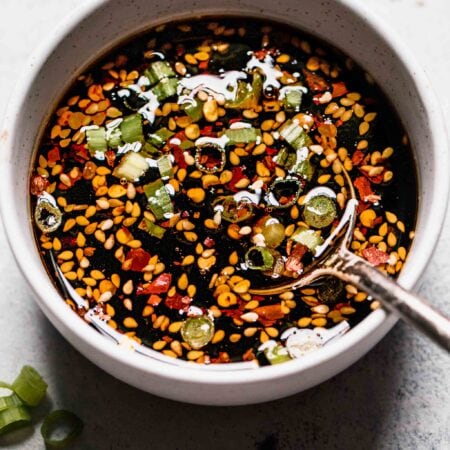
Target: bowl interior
(101, 25)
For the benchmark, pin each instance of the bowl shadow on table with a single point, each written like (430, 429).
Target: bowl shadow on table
(348, 411)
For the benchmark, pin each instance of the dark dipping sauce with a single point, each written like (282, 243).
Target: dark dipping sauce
(231, 123)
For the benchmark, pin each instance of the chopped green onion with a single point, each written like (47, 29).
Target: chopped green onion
(193, 109)
(234, 211)
(305, 169)
(30, 386)
(242, 135)
(294, 135)
(158, 199)
(277, 354)
(14, 417)
(48, 216)
(10, 400)
(165, 88)
(259, 258)
(153, 229)
(114, 137)
(285, 158)
(160, 137)
(67, 423)
(149, 151)
(165, 166)
(284, 192)
(247, 96)
(131, 167)
(292, 99)
(131, 129)
(320, 211)
(307, 237)
(197, 331)
(157, 71)
(187, 145)
(96, 140)
(273, 232)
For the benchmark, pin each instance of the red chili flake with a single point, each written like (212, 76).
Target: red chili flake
(110, 157)
(207, 131)
(38, 184)
(209, 242)
(154, 300)
(139, 259)
(68, 242)
(339, 89)
(362, 206)
(53, 155)
(272, 151)
(79, 153)
(178, 302)
(249, 355)
(269, 162)
(269, 314)
(315, 82)
(238, 174)
(375, 256)
(203, 65)
(294, 261)
(158, 286)
(364, 188)
(235, 119)
(261, 54)
(181, 135)
(178, 155)
(358, 157)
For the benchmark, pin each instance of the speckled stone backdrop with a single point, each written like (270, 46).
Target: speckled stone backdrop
(397, 397)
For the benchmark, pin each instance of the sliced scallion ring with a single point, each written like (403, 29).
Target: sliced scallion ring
(9, 401)
(259, 258)
(14, 417)
(64, 424)
(30, 386)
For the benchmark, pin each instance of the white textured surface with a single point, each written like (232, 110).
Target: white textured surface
(396, 397)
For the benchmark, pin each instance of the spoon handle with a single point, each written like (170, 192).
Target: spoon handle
(410, 307)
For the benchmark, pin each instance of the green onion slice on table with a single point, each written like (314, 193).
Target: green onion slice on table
(60, 428)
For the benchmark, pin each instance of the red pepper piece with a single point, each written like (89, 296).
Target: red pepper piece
(139, 259)
(178, 301)
(375, 256)
(358, 157)
(53, 155)
(79, 153)
(364, 188)
(178, 156)
(339, 89)
(269, 314)
(315, 82)
(294, 261)
(158, 286)
(209, 242)
(38, 184)
(238, 174)
(154, 300)
(110, 157)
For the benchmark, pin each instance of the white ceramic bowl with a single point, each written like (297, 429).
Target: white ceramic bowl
(95, 28)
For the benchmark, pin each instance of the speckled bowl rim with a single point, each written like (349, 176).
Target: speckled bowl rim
(377, 323)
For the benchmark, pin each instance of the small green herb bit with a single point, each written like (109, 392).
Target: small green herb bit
(320, 211)
(197, 331)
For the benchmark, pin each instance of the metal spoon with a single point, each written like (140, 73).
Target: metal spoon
(333, 258)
